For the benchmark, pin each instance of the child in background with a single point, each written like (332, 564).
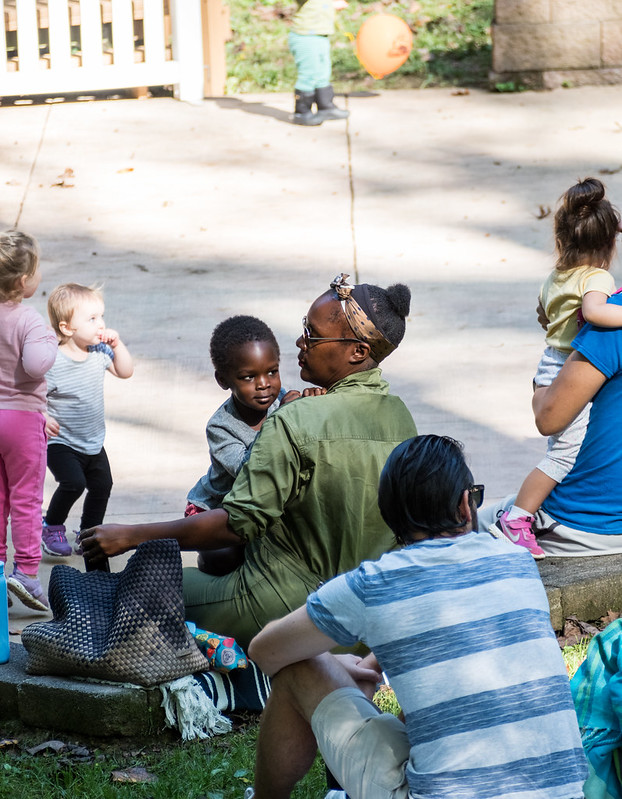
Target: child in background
(577, 289)
(309, 42)
(27, 350)
(245, 355)
(76, 427)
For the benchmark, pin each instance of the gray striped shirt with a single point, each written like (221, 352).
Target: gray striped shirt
(76, 399)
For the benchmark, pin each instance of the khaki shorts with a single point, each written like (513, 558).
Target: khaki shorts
(366, 750)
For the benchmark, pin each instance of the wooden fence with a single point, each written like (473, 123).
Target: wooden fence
(64, 46)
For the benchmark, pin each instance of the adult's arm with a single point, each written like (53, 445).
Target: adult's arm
(556, 406)
(208, 530)
(288, 640)
(295, 637)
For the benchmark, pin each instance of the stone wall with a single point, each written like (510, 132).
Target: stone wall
(544, 44)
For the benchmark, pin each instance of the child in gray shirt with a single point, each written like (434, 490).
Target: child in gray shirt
(245, 355)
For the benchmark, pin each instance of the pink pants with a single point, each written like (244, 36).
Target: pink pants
(23, 448)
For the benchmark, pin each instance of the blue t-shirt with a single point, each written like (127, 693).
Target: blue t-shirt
(590, 496)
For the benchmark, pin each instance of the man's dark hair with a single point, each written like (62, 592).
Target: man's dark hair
(421, 486)
(235, 332)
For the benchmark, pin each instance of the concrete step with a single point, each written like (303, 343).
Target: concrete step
(77, 706)
(584, 587)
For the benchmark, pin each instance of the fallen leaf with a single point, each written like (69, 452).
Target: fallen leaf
(65, 181)
(575, 630)
(5, 743)
(126, 169)
(610, 171)
(460, 93)
(543, 212)
(136, 774)
(610, 616)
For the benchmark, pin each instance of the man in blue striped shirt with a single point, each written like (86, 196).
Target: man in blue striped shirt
(459, 622)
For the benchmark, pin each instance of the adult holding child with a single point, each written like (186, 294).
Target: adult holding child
(583, 513)
(305, 501)
(577, 290)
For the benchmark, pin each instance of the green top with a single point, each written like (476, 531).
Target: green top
(312, 479)
(306, 503)
(314, 17)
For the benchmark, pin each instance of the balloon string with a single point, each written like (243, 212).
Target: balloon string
(343, 32)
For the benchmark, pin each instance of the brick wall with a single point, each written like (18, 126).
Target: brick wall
(551, 43)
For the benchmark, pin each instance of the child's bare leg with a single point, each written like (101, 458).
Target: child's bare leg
(535, 489)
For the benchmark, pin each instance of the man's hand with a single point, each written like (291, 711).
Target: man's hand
(364, 671)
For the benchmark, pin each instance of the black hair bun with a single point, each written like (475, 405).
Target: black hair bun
(399, 298)
(584, 194)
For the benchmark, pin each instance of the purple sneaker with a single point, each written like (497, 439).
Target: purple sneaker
(54, 541)
(28, 590)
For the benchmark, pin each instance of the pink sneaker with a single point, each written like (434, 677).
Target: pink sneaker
(519, 532)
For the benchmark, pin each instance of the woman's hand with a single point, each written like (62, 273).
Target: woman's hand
(105, 541)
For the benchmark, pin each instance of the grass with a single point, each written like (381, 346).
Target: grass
(451, 46)
(220, 768)
(575, 655)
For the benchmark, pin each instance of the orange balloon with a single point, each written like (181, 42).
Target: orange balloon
(383, 43)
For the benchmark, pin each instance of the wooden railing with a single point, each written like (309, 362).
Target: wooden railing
(64, 46)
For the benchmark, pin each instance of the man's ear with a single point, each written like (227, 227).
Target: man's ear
(360, 352)
(221, 381)
(464, 508)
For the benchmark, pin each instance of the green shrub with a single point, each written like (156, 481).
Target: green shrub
(451, 45)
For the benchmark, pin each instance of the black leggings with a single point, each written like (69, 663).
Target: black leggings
(74, 472)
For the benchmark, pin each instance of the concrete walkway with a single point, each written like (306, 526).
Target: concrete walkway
(187, 215)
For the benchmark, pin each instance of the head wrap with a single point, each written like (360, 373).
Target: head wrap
(358, 308)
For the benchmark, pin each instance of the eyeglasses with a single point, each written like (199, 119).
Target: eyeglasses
(477, 492)
(307, 337)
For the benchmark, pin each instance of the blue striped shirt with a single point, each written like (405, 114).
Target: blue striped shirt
(461, 627)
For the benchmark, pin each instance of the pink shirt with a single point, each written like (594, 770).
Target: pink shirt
(27, 350)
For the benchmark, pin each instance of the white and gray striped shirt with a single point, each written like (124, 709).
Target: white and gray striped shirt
(75, 391)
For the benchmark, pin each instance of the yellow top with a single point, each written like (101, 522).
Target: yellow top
(562, 295)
